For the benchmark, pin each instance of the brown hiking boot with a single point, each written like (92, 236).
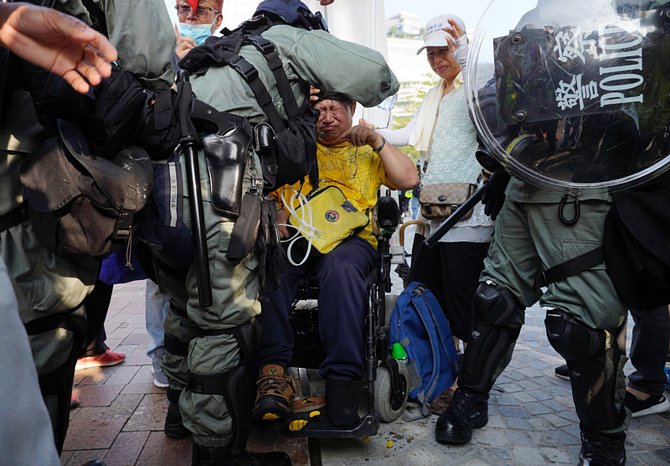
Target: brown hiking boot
(274, 392)
(440, 404)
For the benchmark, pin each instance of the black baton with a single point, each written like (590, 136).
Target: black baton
(450, 221)
(188, 143)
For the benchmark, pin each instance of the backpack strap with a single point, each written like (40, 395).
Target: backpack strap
(269, 51)
(576, 265)
(293, 112)
(250, 74)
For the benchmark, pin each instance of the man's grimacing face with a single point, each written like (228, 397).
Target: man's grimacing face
(335, 118)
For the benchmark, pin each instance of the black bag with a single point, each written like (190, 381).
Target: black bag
(636, 244)
(114, 118)
(79, 203)
(159, 131)
(112, 115)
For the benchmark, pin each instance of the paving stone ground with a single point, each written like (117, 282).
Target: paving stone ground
(531, 416)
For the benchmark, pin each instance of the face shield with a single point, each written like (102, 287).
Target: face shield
(574, 96)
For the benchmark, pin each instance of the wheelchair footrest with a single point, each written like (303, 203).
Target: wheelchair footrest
(319, 427)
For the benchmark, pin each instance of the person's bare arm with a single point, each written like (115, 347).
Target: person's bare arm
(57, 42)
(400, 170)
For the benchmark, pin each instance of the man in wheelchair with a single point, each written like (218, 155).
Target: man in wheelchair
(357, 160)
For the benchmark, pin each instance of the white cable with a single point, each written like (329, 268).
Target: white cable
(304, 219)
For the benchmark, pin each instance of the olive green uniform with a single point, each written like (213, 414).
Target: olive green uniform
(47, 285)
(530, 238)
(198, 342)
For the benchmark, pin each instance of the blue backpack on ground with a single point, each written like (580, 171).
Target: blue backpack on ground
(418, 323)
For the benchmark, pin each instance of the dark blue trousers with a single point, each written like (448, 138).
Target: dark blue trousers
(342, 293)
(649, 350)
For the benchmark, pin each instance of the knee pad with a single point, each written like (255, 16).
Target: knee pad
(495, 305)
(596, 365)
(571, 338)
(497, 322)
(236, 385)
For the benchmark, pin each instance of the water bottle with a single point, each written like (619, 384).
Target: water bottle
(400, 355)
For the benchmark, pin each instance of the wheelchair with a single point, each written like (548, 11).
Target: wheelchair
(385, 380)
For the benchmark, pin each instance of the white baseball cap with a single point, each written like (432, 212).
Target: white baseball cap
(435, 36)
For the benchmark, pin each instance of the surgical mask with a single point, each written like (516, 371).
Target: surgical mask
(197, 32)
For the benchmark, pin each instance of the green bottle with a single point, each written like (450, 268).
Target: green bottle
(398, 352)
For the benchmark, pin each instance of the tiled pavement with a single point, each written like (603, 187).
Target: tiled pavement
(532, 421)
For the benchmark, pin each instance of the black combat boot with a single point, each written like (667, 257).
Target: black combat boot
(208, 456)
(600, 449)
(468, 410)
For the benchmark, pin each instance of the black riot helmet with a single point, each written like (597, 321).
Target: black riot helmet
(291, 12)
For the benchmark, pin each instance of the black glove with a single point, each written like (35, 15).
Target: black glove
(493, 196)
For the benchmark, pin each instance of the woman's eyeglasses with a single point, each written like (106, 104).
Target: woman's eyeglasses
(184, 10)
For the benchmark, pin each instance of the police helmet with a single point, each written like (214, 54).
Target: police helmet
(292, 12)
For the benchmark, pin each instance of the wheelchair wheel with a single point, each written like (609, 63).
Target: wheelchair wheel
(388, 405)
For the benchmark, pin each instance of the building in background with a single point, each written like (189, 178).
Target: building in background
(405, 25)
(413, 72)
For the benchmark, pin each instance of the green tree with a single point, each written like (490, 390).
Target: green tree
(409, 107)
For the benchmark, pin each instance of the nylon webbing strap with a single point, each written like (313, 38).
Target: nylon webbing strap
(174, 346)
(13, 217)
(268, 50)
(207, 384)
(574, 266)
(250, 74)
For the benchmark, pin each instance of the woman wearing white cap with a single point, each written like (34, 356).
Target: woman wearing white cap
(443, 132)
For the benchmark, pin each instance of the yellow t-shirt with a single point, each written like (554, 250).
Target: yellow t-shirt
(357, 171)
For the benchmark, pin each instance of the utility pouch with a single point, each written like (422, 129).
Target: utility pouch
(226, 154)
(245, 230)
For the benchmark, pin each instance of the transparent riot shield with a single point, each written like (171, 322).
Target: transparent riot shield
(574, 95)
